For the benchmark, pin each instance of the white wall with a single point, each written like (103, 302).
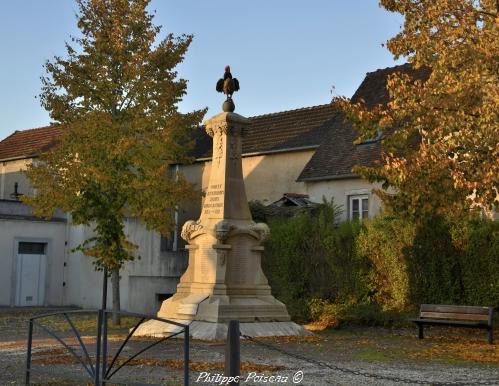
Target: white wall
(266, 177)
(52, 233)
(152, 272)
(340, 190)
(10, 173)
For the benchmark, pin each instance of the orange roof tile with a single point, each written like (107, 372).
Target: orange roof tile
(28, 143)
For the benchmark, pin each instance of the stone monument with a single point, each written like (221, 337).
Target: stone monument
(224, 279)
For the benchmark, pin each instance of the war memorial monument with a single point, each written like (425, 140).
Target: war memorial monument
(224, 280)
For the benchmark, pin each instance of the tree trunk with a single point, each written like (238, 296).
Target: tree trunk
(115, 279)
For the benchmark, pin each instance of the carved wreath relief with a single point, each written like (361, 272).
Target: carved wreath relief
(189, 228)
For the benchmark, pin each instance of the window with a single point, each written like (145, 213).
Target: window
(378, 136)
(31, 248)
(170, 242)
(358, 207)
(167, 242)
(160, 298)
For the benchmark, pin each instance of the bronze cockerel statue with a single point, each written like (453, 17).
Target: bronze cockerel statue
(228, 85)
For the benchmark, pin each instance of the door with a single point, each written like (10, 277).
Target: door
(31, 260)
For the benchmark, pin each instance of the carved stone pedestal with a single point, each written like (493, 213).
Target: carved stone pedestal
(224, 279)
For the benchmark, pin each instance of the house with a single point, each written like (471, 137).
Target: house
(303, 152)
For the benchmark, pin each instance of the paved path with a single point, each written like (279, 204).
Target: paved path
(382, 353)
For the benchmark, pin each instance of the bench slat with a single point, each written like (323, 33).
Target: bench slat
(454, 309)
(451, 323)
(455, 316)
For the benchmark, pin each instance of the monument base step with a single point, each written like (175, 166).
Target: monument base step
(218, 331)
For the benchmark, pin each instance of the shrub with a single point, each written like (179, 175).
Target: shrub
(479, 262)
(384, 242)
(310, 255)
(374, 272)
(440, 260)
(433, 261)
(326, 313)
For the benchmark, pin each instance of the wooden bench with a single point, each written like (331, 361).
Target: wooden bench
(457, 316)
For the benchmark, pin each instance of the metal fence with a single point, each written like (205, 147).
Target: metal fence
(98, 369)
(101, 369)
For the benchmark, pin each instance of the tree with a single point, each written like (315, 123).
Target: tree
(115, 95)
(441, 144)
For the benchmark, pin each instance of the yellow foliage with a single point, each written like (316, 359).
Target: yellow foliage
(444, 154)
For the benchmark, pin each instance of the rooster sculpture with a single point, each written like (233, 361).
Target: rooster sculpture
(228, 85)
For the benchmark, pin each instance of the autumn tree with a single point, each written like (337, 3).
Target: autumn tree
(115, 93)
(441, 136)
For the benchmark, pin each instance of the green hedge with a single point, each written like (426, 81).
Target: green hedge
(440, 260)
(310, 255)
(479, 262)
(329, 271)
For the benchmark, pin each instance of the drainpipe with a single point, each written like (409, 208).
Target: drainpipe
(2, 182)
(65, 265)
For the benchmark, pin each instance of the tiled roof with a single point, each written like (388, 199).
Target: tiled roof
(299, 128)
(27, 143)
(280, 131)
(373, 90)
(337, 154)
(288, 129)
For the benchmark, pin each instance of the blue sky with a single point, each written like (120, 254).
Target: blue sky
(286, 54)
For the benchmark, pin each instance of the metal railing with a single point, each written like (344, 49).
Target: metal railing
(98, 370)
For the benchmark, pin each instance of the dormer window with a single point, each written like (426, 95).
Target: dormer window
(373, 139)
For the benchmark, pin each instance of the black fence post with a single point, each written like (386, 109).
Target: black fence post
(28, 358)
(98, 347)
(100, 317)
(232, 353)
(186, 356)
(104, 347)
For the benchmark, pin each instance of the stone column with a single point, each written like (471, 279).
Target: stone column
(226, 195)
(224, 279)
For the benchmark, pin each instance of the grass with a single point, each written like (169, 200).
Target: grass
(458, 351)
(370, 354)
(442, 345)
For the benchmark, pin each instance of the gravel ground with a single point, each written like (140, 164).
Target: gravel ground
(446, 356)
